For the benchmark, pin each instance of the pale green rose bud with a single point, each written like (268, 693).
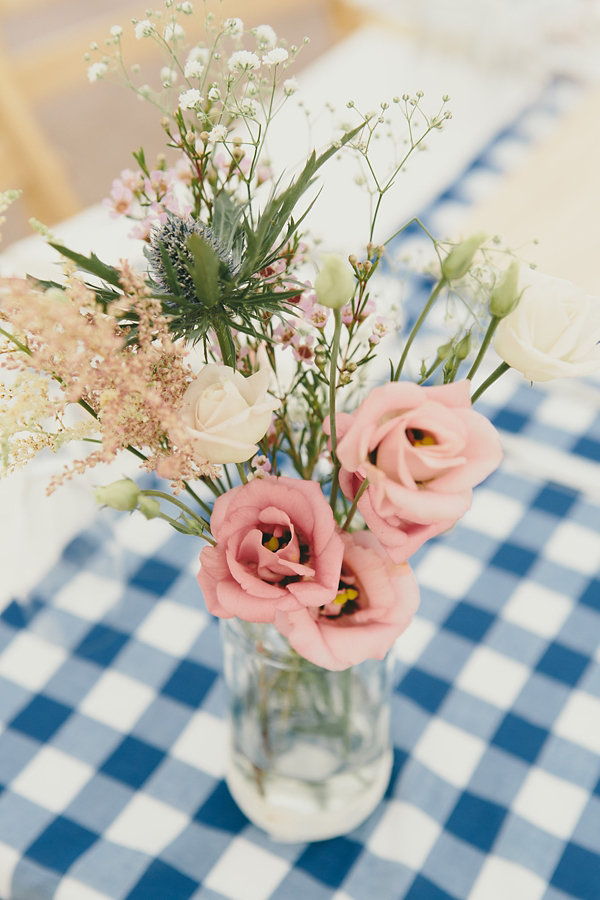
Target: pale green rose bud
(335, 283)
(505, 295)
(445, 350)
(122, 494)
(149, 506)
(459, 260)
(463, 348)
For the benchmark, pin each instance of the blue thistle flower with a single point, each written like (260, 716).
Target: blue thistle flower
(173, 236)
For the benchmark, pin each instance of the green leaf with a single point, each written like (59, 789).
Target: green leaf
(90, 264)
(279, 209)
(169, 270)
(204, 269)
(226, 219)
(140, 159)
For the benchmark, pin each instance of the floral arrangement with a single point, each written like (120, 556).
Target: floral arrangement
(246, 382)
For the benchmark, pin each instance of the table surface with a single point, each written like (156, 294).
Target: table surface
(113, 743)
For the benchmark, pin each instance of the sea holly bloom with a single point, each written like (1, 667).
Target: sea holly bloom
(277, 548)
(423, 449)
(374, 604)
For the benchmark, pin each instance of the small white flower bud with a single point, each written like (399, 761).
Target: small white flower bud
(121, 495)
(459, 260)
(335, 283)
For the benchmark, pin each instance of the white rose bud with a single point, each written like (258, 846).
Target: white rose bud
(459, 260)
(149, 506)
(226, 414)
(553, 333)
(335, 283)
(505, 294)
(122, 494)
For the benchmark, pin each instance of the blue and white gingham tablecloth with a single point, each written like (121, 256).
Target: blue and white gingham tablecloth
(113, 743)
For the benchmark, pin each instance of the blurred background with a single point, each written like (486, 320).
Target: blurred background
(63, 140)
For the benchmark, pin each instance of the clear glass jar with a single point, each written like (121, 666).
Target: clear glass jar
(310, 748)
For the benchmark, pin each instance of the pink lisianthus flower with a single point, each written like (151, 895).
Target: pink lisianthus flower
(423, 449)
(277, 549)
(376, 601)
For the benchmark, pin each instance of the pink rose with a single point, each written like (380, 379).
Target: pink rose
(376, 601)
(277, 549)
(423, 449)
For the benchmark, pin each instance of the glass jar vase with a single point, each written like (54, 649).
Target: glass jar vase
(310, 748)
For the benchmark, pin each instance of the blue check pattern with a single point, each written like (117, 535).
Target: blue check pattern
(112, 743)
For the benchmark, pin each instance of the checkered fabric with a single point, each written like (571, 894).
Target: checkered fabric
(112, 748)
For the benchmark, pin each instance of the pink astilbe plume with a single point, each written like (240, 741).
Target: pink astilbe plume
(133, 388)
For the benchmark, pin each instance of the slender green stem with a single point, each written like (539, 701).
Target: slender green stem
(484, 345)
(178, 503)
(16, 342)
(242, 472)
(354, 506)
(226, 345)
(415, 329)
(200, 502)
(211, 485)
(335, 349)
(502, 368)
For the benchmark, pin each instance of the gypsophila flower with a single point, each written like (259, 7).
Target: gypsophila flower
(193, 69)
(290, 86)
(265, 37)
(249, 108)
(190, 99)
(174, 33)
(116, 31)
(198, 54)
(218, 133)
(242, 60)
(275, 57)
(168, 74)
(214, 94)
(96, 71)
(187, 9)
(143, 29)
(234, 27)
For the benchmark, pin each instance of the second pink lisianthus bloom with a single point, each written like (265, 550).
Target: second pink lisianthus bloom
(375, 603)
(423, 449)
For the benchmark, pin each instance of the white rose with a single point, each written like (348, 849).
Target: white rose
(554, 332)
(226, 414)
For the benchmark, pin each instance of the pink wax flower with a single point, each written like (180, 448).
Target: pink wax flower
(277, 549)
(423, 449)
(376, 601)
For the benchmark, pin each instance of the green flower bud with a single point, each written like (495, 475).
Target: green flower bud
(463, 348)
(149, 506)
(445, 350)
(458, 261)
(505, 295)
(122, 494)
(335, 283)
